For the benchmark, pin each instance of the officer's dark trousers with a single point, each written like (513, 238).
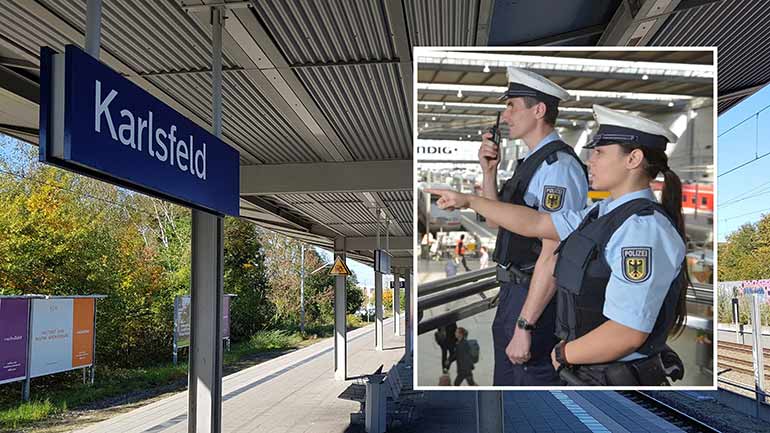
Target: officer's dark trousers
(539, 370)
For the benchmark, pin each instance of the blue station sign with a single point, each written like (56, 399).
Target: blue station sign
(96, 122)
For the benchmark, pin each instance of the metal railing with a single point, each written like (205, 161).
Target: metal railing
(445, 290)
(440, 292)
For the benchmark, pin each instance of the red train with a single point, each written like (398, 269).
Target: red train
(695, 196)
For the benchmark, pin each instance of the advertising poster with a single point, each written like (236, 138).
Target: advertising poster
(14, 317)
(51, 336)
(182, 321)
(182, 316)
(226, 317)
(83, 332)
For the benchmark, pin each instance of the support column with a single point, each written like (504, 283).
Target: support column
(340, 325)
(396, 304)
(489, 412)
(204, 413)
(409, 319)
(378, 329)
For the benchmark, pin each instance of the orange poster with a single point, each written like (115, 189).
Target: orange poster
(82, 332)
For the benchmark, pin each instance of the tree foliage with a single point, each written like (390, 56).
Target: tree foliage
(65, 234)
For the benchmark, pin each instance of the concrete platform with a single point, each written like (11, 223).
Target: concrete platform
(296, 392)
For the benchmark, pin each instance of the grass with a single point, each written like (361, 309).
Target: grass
(53, 395)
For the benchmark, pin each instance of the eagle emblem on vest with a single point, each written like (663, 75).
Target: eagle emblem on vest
(636, 263)
(553, 197)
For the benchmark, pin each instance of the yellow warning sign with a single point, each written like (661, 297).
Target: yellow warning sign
(339, 268)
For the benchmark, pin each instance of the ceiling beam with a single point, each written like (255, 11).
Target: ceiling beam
(563, 38)
(484, 22)
(402, 243)
(550, 73)
(636, 22)
(400, 36)
(364, 176)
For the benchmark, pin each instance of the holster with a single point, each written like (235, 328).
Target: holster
(512, 274)
(650, 371)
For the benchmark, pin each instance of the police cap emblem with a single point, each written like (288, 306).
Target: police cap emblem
(553, 197)
(636, 263)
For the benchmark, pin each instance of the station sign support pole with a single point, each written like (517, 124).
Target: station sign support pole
(396, 304)
(409, 320)
(378, 328)
(757, 352)
(489, 411)
(340, 307)
(205, 369)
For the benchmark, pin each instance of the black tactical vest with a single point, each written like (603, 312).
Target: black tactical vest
(511, 248)
(582, 274)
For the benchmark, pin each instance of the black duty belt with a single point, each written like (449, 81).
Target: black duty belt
(511, 274)
(654, 370)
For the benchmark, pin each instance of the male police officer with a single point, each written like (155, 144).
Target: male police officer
(550, 178)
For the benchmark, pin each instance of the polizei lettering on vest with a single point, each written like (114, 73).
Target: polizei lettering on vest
(131, 130)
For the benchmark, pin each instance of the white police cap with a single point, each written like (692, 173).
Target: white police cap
(522, 82)
(619, 127)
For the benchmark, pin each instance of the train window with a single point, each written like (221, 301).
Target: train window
(684, 198)
(693, 200)
(703, 201)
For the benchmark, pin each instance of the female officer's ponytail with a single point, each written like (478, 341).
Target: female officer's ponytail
(671, 200)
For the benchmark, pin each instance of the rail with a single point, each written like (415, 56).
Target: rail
(443, 291)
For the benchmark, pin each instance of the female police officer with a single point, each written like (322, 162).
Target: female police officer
(620, 274)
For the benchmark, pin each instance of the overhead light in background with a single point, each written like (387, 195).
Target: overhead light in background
(443, 105)
(433, 118)
(577, 98)
(670, 104)
(645, 77)
(469, 136)
(479, 132)
(425, 106)
(460, 137)
(459, 93)
(574, 123)
(426, 124)
(486, 68)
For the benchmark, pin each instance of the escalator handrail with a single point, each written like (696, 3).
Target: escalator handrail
(458, 280)
(455, 293)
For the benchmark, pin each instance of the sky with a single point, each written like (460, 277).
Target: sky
(743, 195)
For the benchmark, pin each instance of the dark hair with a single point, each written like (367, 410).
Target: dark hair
(656, 162)
(551, 109)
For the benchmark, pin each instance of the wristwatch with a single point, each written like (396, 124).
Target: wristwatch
(559, 355)
(522, 323)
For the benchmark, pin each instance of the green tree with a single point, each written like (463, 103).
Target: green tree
(245, 276)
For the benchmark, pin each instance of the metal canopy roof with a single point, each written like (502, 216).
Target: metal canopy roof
(739, 29)
(305, 84)
(449, 116)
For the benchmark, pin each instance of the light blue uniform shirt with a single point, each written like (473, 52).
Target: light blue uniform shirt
(634, 304)
(558, 186)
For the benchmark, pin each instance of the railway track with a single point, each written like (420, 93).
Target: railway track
(726, 362)
(669, 413)
(742, 348)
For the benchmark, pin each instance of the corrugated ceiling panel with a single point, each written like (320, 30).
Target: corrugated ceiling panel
(739, 28)
(330, 31)
(366, 105)
(148, 35)
(442, 22)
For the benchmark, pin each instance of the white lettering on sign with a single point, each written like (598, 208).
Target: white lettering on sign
(446, 150)
(140, 133)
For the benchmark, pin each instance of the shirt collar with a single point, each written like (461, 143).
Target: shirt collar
(610, 204)
(553, 136)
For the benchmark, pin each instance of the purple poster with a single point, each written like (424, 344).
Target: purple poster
(226, 317)
(14, 318)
